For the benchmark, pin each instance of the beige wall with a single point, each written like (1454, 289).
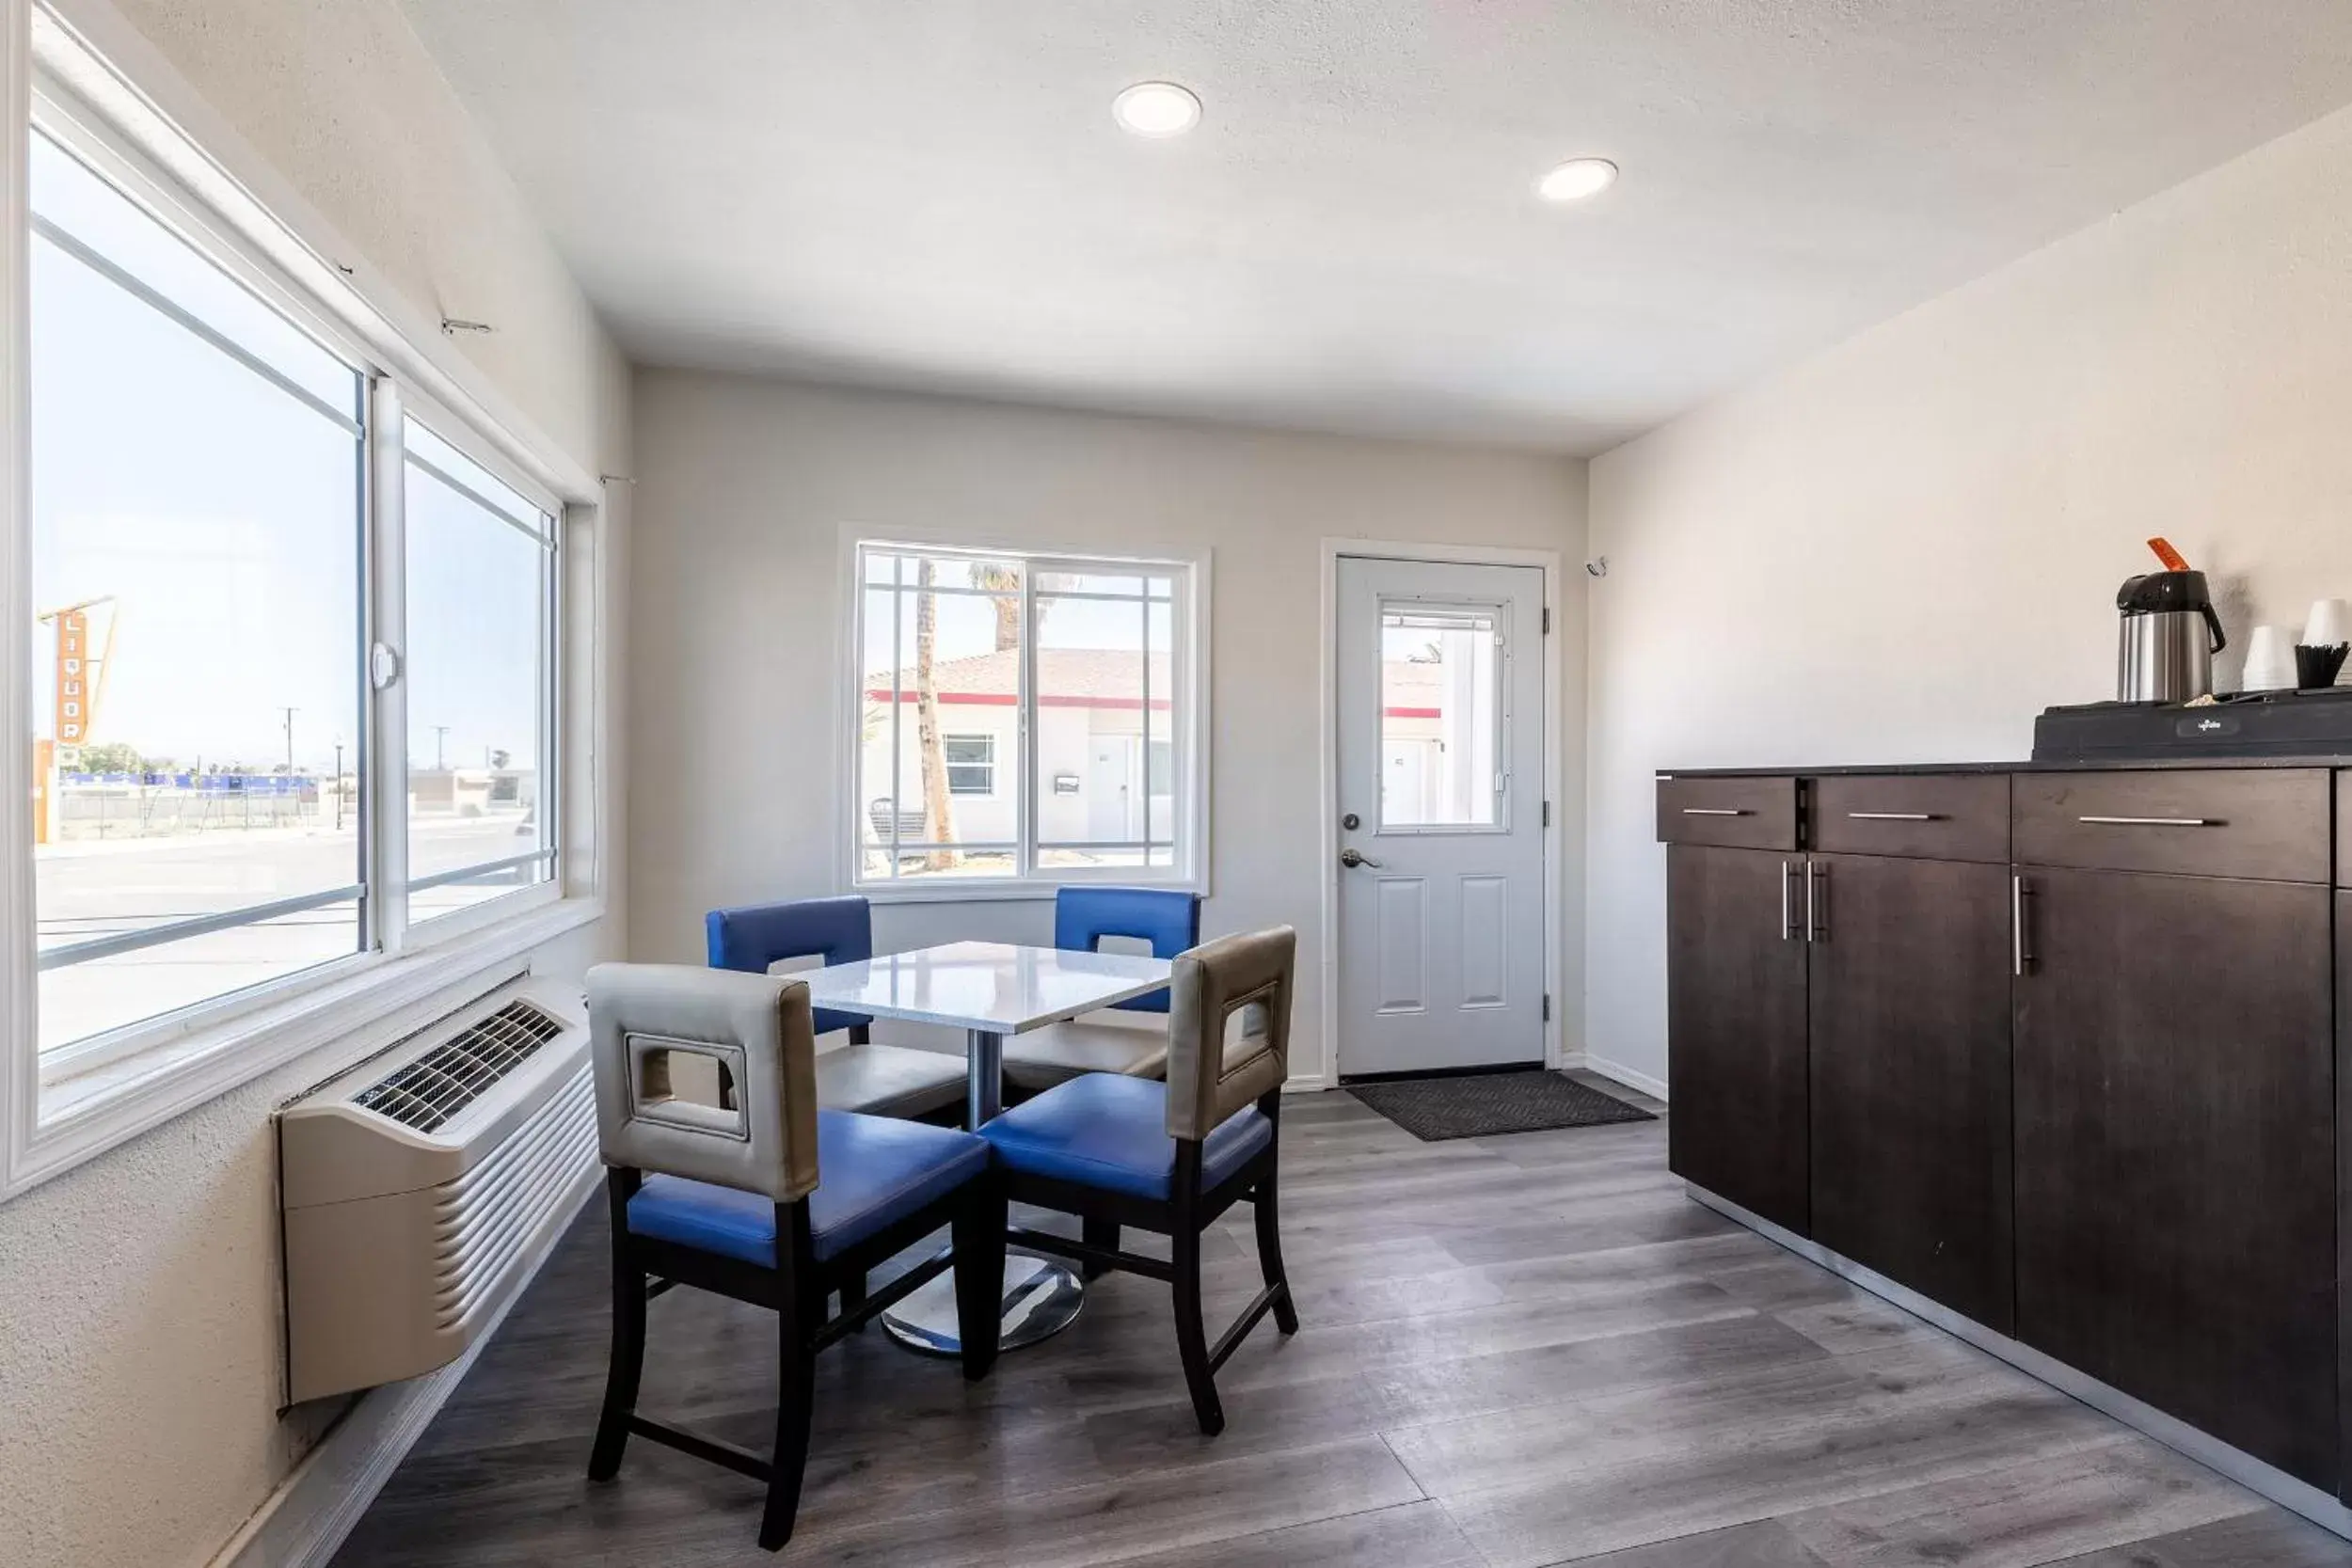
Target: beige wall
(1908, 546)
(139, 1368)
(751, 491)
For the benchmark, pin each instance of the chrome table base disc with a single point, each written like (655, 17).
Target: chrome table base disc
(1041, 1298)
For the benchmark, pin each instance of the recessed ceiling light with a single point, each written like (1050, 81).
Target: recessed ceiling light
(1577, 179)
(1156, 109)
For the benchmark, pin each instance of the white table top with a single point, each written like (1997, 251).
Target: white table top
(989, 986)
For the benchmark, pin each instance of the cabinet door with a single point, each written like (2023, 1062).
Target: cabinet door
(1735, 1005)
(2344, 1142)
(1910, 1005)
(2175, 1149)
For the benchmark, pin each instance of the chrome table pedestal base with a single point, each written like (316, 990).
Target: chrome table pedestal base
(1041, 1298)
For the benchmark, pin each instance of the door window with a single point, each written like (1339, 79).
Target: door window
(1442, 710)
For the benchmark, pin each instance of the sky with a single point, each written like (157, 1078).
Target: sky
(220, 515)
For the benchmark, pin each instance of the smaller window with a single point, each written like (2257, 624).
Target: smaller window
(1440, 718)
(971, 764)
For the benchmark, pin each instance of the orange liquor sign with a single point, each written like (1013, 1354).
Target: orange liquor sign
(73, 701)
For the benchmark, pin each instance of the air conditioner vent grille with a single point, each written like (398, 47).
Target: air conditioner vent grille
(435, 1088)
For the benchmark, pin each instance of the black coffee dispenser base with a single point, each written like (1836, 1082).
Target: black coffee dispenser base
(2253, 724)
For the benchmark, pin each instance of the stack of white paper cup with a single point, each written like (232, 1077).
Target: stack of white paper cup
(2269, 661)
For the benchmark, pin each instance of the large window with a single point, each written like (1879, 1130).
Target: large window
(215, 546)
(1022, 717)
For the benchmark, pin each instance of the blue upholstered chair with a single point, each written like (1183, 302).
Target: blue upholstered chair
(764, 1197)
(1130, 1037)
(880, 1080)
(1171, 1157)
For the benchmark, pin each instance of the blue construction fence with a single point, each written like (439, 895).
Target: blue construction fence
(302, 786)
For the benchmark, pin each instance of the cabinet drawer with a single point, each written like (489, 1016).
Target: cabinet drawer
(1734, 814)
(1925, 815)
(2270, 824)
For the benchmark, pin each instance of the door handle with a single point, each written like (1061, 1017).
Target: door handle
(1787, 921)
(1815, 905)
(2021, 943)
(1894, 817)
(1715, 810)
(2150, 821)
(1352, 858)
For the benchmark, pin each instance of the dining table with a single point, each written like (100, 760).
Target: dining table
(992, 990)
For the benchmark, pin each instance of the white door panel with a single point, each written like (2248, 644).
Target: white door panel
(1440, 765)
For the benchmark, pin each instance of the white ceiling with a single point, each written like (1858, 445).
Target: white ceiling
(931, 193)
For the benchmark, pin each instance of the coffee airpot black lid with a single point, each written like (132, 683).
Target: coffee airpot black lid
(2160, 592)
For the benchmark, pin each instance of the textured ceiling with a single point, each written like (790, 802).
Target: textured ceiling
(932, 194)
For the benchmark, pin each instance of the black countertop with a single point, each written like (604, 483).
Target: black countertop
(2101, 765)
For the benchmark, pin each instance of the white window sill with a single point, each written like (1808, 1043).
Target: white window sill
(1002, 890)
(371, 1008)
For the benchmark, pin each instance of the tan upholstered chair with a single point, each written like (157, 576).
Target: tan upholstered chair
(1171, 1157)
(758, 1193)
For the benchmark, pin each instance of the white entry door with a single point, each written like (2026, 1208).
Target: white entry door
(1441, 815)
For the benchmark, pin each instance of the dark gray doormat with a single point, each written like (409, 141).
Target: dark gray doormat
(1481, 1104)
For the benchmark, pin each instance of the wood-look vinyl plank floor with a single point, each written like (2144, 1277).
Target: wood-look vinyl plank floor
(1516, 1353)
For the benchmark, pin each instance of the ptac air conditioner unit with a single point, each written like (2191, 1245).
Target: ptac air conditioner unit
(417, 1186)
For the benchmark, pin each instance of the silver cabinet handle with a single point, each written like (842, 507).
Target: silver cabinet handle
(1788, 928)
(1815, 875)
(2020, 956)
(1714, 811)
(2151, 821)
(1354, 858)
(1894, 817)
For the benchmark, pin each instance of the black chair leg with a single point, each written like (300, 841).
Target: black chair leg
(1270, 1256)
(979, 1243)
(629, 1351)
(1101, 1233)
(1192, 1342)
(853, 1295)
(796, 1367)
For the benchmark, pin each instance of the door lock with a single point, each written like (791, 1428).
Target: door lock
(1352, 858)
(1351, 821)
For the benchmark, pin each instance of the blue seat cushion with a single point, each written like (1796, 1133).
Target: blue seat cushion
(1108, 1130)
(871, 1172)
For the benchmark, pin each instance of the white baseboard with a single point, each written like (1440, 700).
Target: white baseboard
(1618, 1072)
(313, 1510)
(1307, 1082)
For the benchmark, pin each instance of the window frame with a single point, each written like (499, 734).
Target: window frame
(62, 1107)
(1189, 732)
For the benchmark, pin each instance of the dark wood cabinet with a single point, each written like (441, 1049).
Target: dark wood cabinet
(2343, 1170)
(2175, 1149)
(1736, 1017)
(1909, 1003)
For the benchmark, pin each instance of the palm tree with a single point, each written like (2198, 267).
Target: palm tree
(1005, 582)
(939, 825)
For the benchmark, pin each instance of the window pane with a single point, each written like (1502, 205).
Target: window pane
(1440, 690)
(93, 214)
(1159, 640)
(478, 633)
(1100, 702)
(196, 654)
(941, 699)
(971, 764)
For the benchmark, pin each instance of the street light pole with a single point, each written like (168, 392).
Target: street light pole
(338, 784)
(440, 734)
(290, 712)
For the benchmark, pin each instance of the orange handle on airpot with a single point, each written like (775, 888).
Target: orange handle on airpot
(2171, 557)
